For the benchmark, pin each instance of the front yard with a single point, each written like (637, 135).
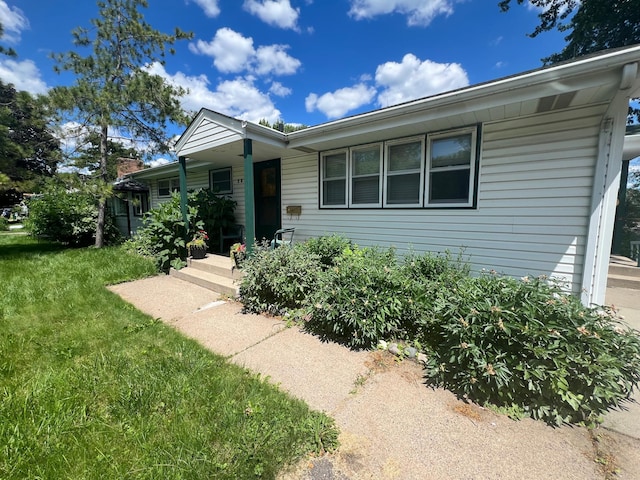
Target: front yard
(93, 388)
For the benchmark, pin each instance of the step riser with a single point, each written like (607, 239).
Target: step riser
(209, 268)
(624, 283)
(210, 285)
(626, 271)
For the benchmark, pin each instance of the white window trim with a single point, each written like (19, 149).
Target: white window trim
(351, 176)
(217, 170)
(472, 167)
(347, 192)
(174, 186)
(138, 206)
(401, 141)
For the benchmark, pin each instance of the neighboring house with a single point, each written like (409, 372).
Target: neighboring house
(522, 172)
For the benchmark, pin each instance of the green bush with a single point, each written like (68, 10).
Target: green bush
(214, 211)
(435, 267)
(364, 298)
(4, 224)
(527, 346)
(328, 248)
(279, 280)
(69, 217)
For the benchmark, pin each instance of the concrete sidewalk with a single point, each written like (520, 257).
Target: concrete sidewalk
(392, 426)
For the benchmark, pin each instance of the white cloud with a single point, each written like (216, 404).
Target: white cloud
(278, 13)
(156, 162)
(337, 104)
(210, 7)
(24, 75)
(418, 12)
(13, 22)
(238, 98)
(234, 53)
(413, 78)
(273, 59)
(279, 90)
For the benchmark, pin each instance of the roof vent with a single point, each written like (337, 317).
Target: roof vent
(555, 102)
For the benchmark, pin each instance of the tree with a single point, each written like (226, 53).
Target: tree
(88, 155)
(29, 152)
(114, 88)
(4, 50)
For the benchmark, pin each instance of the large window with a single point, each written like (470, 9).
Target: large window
(221, 181)
(432, 171)
(403, 179)
(451, 163)
(167, 186)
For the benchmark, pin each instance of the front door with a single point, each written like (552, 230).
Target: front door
(266, 177)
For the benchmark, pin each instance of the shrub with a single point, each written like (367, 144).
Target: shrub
(436, 267)
(69, 217)
(328, 248)
(364, 298)
(4, 224)
(163, 234)
(528, 346)
(214, 211)
(279, 280)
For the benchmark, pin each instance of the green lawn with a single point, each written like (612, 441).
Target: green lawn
(92, 388)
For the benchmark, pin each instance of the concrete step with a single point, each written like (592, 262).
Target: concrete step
(624, 270)
(623, 281)
(215, 264)
(211, 281)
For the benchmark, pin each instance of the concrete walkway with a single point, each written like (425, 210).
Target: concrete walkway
(392, 426)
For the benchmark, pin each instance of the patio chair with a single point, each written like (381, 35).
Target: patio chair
(283, 236)
(231, 234)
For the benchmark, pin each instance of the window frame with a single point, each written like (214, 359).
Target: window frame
(323, 156)
(220, 170)
(386, 161)
(119, 206)
(471, 196)
(351, 176)
(174, 186)
(140, 204)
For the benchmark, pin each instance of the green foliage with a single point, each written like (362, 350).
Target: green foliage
(432, 267)
(67, 216)
(278, 280)
(527, 345)
(328, 248)
(4, 224)
(93, 388)
(162, 234)
(364, 298)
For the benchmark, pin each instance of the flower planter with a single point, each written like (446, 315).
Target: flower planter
(198, 251)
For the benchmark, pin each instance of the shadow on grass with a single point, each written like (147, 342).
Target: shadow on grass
(26, 249)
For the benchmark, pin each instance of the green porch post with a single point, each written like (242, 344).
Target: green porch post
(249, 203)
(182, 170)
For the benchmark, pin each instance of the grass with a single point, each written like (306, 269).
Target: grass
(92, 388)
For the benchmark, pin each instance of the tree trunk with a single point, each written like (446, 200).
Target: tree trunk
(102, 201)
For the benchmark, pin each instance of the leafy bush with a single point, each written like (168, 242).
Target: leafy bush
(527, 345)
(214, 211)
(68, 216)
(434, 267)
(162, 235)
(364, 298)
(328, 248)
(4, 224)
(279, 280)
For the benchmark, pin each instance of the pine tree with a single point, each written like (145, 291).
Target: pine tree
(114, 88)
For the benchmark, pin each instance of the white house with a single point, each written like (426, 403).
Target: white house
(521, 172)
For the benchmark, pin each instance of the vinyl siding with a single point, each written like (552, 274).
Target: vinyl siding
(534, 201)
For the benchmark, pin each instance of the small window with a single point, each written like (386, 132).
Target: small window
(366, 172)
(334, 179)
(403, 176)
(451, 164)
(167, 186)
(221, 181)
(118, 207)
(140, 204)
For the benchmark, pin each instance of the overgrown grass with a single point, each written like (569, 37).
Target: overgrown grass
(92, 388)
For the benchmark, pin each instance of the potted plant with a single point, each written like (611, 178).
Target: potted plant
(198, 245)
(238, 253)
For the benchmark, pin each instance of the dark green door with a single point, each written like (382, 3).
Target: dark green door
(266, 178)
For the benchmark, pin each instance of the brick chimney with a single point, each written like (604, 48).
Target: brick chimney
(128, 165)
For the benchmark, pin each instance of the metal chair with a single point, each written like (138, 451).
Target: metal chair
(233, 233)
(283, 236)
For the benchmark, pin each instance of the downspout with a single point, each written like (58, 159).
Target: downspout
(605, 191)
(182, 170)
(249, 202)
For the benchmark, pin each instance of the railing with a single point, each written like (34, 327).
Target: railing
(635, 251)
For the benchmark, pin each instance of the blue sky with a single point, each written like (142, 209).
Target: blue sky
(302, 61)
